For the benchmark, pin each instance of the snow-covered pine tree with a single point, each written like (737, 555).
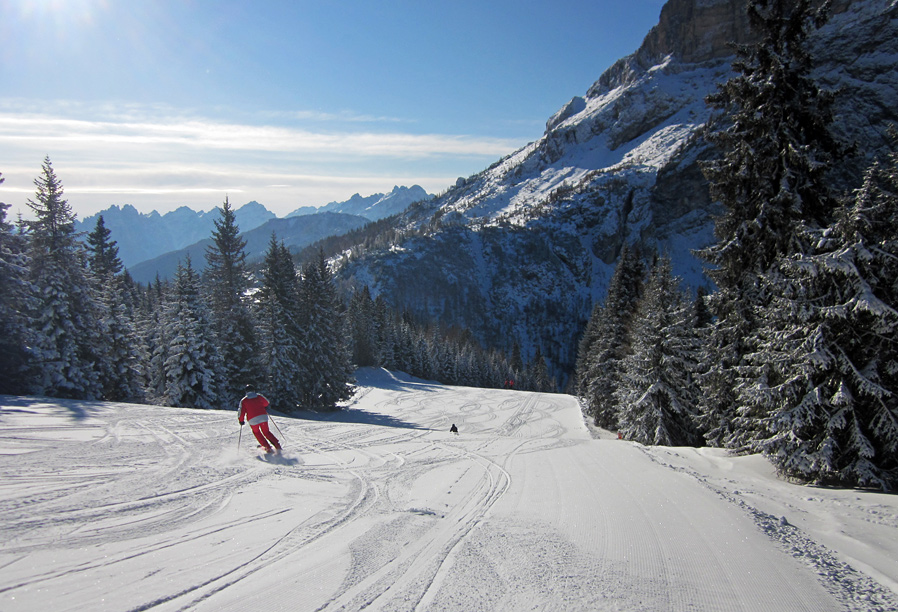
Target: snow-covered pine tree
(278, 327)
(600, 370)
(104, 260)
(774, 132)
(464, 360)
(703, 316)
(538, 374)
(279, 355)
(16, 300)
(67, 347)
(584, 350)
(119, 373)
(389, 334)
(384, 331)
(441, 357)
(721, 354)
(656, 392)
(192, 364)
(327, 360)
(404, 345)
(226, 281)
(152, 344)
(829, 394)
(777, 146)
(363, 328)
(423, 367)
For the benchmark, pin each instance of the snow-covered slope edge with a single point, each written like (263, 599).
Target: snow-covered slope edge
(520, 251)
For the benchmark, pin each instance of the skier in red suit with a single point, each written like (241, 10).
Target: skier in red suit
(253, 409)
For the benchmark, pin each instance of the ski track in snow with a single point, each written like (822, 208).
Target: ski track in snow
(378, 507)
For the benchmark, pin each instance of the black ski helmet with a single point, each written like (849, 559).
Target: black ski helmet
(249, 388)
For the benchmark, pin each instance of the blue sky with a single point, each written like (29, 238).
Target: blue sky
(163, 103)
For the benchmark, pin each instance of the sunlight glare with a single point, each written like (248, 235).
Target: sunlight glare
(68, 12)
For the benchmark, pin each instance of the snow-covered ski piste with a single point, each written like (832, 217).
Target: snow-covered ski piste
(110, 506)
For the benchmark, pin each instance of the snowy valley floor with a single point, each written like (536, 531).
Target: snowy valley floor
(127, 507)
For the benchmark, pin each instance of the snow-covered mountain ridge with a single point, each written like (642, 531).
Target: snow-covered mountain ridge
(520, 251)
(295, 232)
(144, 237)
(378, 205)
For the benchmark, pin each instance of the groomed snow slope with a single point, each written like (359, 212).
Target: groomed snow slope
(127, 507)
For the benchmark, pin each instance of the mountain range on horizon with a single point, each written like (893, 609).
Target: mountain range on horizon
(144, 238)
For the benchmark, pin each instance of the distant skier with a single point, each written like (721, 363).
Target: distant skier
(253, 409)
(453, 429)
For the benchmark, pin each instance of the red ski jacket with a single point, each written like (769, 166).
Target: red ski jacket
(252, 406)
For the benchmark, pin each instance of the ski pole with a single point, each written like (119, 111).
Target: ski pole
(278, 428)
(239, 437)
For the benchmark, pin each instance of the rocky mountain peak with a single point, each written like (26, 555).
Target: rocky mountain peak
(696, 31)
(690, 32)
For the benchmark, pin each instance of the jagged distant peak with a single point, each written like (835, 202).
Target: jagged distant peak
(375, 206)
(252, 204)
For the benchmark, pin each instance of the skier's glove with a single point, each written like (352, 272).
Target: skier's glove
(241, 423)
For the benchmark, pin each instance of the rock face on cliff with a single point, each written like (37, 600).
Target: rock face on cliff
(520, 251)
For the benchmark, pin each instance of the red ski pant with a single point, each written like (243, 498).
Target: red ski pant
(264, 436)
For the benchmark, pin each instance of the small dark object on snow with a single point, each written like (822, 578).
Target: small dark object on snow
(453, 429)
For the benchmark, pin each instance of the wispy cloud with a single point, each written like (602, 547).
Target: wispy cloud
(54, 132)
(155, 154)
(338, 117)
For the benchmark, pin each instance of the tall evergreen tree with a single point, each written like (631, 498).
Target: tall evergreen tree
(538, 374)
(775, 134)
(722, 355)
(363, 328)
(153, 342)
(120, 374)
(119, 371)
(828, 399)
(227, 281)
(591, 336)
(656, 392)
(16, 299)
(777, 144)
(104, 259)
(327, 365)
(599, 370)
(67, 346)
(279, 328)
(192, 365)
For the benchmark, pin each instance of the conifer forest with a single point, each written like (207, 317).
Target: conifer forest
(795, 353)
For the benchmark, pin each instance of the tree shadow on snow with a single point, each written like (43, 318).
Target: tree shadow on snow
(77, 409)
(355, 415)
(380, 378)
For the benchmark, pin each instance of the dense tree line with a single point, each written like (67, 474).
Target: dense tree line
(382, 337)
(75, 325)
(795, 354)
